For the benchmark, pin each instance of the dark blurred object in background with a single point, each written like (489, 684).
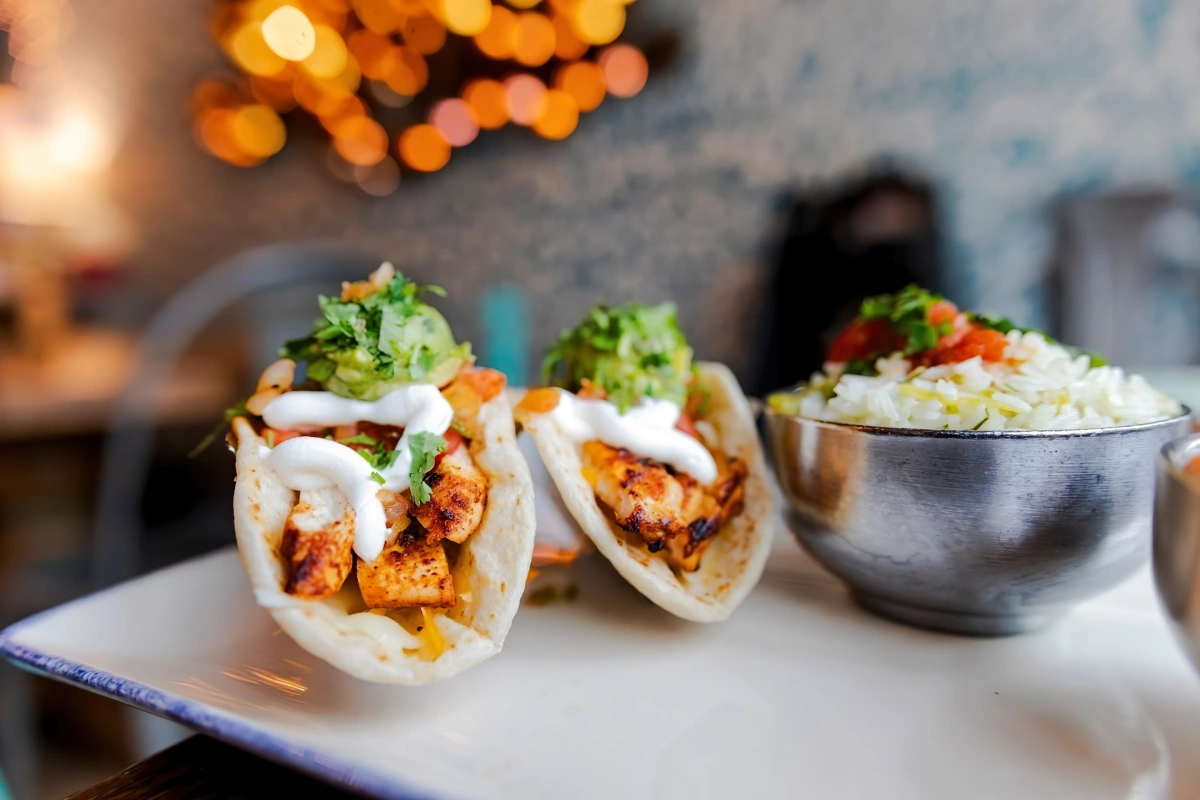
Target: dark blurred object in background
(1129, 276)
(869, 236)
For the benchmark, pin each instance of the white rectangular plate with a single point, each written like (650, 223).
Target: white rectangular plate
(799, 694)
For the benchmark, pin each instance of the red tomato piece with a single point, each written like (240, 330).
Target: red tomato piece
(453, 440)
(686, 425)
(862, 340)
(983, 342)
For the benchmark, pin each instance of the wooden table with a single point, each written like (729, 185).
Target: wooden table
(200, 768)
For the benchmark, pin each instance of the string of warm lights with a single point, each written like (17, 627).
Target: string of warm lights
(340, 59)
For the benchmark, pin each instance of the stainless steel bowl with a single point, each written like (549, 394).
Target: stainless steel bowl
(1177, 542)
(978, 532)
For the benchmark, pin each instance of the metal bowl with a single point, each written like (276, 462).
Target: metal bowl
(1177, 542)
(979, 532)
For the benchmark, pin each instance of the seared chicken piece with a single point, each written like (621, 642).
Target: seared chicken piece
(413, 571)
(457, 497)
(667, 509)
(316, 545)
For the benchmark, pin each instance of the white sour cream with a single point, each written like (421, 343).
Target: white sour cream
(310, 462)
(648, 429)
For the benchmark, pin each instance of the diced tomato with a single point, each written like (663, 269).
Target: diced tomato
(862, 340)
(983, 342)
(283, 436)
(942, 311)
(687, 425)
(453, 440)
(487, 383)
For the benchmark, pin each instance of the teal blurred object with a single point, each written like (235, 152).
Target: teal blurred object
(504, 313)
(4, 793)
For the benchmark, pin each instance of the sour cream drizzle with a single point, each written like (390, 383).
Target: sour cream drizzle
(647, 429)
(309, 462)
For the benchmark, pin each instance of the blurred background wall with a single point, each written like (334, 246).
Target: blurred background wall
(1006, 107)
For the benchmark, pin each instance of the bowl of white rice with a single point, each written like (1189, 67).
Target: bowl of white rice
(975, 477)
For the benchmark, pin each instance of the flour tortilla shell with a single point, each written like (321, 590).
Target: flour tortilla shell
(733, 562)
(491, 567)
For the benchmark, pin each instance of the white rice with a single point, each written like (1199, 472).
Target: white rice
(1040, 386)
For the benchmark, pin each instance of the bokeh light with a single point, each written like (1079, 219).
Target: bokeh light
(584, 81)
(466, 17)
(558, 117)
(424, 34)
(498, 39)
(378, 16)
(289, 33)
(328, 57)
(251, 52)
(258, 131)
(315, 55)
(378, 180)
(533, 39)
(567, 44)
(625, 70)
(455, 119)
(525, 98)
(598, 21)
(488, 100)
(424, 148)
(361, 141)
(407, 71)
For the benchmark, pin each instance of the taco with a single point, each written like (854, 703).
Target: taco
(656, 457)
(384, 513)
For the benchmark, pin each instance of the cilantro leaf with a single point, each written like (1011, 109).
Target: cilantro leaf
(425, 448)
(630, 352)
(359, 438)
(238, 409)
(907, 313)
(375, 476)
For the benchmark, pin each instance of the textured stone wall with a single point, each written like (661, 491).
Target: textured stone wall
(1005, 105)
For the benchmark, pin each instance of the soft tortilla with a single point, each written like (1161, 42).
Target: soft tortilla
(732, 564)
(491, 567)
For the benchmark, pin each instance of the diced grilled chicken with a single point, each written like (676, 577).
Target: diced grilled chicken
(670, 511)
(413, 571)
(316, 545)
(458, 493)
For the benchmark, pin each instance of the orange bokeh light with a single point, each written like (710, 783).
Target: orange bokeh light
(625, 70)
(274, 92)
(567, 44)
(466, 17)
(525, 98)
(351, 105)
(424, 34)
(598, 21)
(559, 115)
(328, 57)
(372, 51)
(489, 101)
(258, 131)
(378, 16)
(455, 119)
(424, 148)
(407, 72)
(378, 180)
(497, 40)
(584, 81)
(251, 52)
(533, 39)
(361, 141)
(216, 134)
(523, 3)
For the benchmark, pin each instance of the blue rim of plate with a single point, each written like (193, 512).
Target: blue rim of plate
(201, 718)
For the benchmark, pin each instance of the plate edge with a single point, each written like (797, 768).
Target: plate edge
(202, 719)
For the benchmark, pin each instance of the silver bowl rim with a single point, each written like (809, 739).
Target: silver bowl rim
(1169, 457)
(926, 433)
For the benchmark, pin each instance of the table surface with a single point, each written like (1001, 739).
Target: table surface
(200, 768)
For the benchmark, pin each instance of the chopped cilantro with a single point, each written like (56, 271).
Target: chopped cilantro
(1095, 359)
(379, 457)
(425, 448)
(859, 366)
(907, 313)
(375, 476)
(359, 438)
(986, 416)
(630, 352)
(238, 409)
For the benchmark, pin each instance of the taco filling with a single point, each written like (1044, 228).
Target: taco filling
(624, 389)
(379, 443)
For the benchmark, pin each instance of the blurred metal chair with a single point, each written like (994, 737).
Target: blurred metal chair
(130, 440)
